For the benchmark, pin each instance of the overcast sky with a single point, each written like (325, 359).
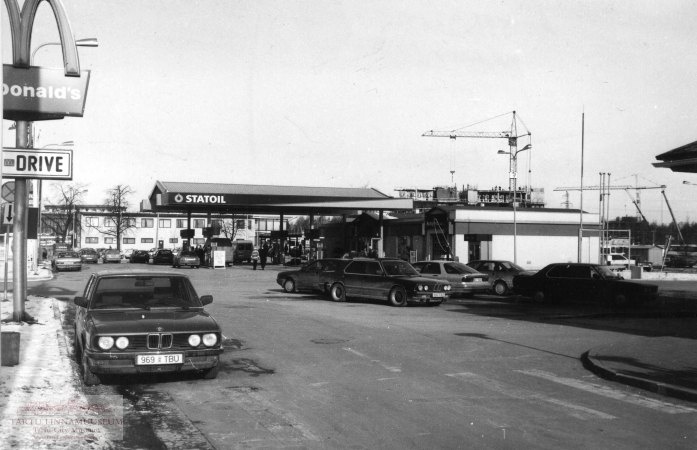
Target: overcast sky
(338, 93)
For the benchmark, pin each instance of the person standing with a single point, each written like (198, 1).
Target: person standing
(255, 258)
(263, 254)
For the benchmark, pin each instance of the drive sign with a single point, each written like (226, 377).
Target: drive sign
(40, 164)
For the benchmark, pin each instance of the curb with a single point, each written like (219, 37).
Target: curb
(657, 387)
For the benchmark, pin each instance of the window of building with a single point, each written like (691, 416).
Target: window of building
(91, 240)
(147, 240)
(173, 240)
(198, 241)
(199, 223)
(241, 224)
(165, 223)
(147, 223)
(131, 222)
(181, 223)
(92, 221)
(217, 223)
(109, 222)
(129, 240)
(109, 240)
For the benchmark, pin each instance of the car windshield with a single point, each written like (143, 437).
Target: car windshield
(511, 266)
(112, 252)
(606, 272)
(68, 255)
(188, 254)
(89, 251)
(399, 268)
(456, 267)
(144, 292)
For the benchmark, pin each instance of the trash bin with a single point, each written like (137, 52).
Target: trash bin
(635, 272)
(10, 348)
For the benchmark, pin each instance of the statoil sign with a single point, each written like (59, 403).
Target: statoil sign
(38, 93)
(199, 199)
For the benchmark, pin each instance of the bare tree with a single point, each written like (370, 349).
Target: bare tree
(116, 219)
(66, 202)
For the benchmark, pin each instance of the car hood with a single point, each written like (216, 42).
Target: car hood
(148, 321)
(418, 279)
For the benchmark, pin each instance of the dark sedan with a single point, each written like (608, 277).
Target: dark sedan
(89, 255)
(393, 280)
(139, 256)
(315, 276)
(583, 282)
(130, 322)
(163, 256)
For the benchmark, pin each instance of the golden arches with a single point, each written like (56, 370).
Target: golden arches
(22, 24)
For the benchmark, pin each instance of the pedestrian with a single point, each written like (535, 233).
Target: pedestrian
(255, 258)
(263, 254)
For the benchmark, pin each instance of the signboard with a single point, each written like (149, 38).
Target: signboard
(34, 163)
(39, 93)
(8, 191)
(219, 259)
(7, 213)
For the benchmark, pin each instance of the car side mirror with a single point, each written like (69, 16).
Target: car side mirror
(80, 301)
(206, 299)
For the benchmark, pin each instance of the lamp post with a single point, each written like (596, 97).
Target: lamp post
(513, 171)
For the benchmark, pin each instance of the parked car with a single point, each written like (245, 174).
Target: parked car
(66, 261)
(112, 256)
(139, 256)
(618, 261)
(500, 273)
(186, 258)
(583, 282)
(315, 276)
(462, 278)
(119, 326)
(163, 256)
(394, 280)
(242, 251)
(89, 255)
(127, 253)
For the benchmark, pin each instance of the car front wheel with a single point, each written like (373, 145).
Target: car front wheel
(337, 292)
(500, 288)
(289, 285)
(398, 297)
(89, 378)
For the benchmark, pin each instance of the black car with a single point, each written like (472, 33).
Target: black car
(139, 256)
(583, 282)
(163, 256)
(89, 255)
(315, 276)
(394, 280)
(133, 322)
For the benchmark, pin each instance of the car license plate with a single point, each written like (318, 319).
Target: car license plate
(438, 294)
(145, 360)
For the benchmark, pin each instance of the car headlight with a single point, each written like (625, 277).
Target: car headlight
(105, 342)
(210, 339)
(447, 287)
(425, 288)
(194, 340)
(121, 342)
(419, 287)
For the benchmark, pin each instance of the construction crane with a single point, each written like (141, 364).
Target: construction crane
(511, 135)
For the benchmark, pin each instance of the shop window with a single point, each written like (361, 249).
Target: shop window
(199, 223)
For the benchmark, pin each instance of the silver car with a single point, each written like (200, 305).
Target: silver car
(463, 279)
(500, 273)
(67, 261)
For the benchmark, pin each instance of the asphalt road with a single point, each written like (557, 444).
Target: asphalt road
(303, 372)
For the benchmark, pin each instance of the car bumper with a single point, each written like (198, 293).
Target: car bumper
(426, 298)
(125, 363)
(68, 266)
(470, 288)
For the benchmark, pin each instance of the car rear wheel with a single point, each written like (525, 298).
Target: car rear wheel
(337, 292)
(500, 288)
(89, 378)
(398, 297)
(289, 285)
(539, 297)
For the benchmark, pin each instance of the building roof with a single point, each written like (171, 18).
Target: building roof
(681, 159)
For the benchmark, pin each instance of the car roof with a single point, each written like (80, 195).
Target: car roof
(137, 273)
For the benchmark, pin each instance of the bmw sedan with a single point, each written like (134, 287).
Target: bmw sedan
(134, 322)
(462, 278)
(583, 283)
(393, 280)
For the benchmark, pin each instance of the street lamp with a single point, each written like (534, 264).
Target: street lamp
(512, 185)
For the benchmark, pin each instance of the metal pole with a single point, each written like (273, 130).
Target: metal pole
(19, 238)
(580, 214)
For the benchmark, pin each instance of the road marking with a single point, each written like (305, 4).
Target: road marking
(574, 410)
(376, 361)
(605, 391)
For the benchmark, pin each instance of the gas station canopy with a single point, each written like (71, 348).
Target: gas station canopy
(266, 199)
